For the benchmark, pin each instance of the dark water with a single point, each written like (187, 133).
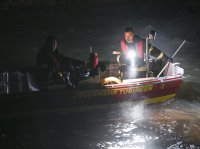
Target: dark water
(173, 125)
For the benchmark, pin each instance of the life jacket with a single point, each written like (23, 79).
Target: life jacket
(137, 44)
(94, 60)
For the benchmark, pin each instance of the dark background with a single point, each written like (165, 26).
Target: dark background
(79, 24)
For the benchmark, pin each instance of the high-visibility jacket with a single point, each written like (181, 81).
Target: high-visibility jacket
(139, 46)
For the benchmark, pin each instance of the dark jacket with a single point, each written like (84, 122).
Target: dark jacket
(50, 59)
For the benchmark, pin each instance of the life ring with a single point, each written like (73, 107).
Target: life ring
(110, 81)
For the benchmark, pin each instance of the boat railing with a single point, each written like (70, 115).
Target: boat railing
(4, 83)
(12, 82)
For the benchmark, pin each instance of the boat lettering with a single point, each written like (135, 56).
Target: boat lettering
(145, 88)
(112, 92)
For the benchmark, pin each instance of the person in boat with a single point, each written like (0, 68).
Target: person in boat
(55, 63)
(134, 45)
(49, 55)
(72, 70)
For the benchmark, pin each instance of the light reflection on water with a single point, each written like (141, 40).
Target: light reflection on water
(172, 125)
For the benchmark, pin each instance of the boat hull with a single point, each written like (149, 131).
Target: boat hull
(148, 92)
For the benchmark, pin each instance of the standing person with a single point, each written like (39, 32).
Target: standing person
(133, 43)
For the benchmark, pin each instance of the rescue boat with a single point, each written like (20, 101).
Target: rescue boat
(94, 93)
(102, 90)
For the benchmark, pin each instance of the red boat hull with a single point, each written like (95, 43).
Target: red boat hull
(152, 91)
